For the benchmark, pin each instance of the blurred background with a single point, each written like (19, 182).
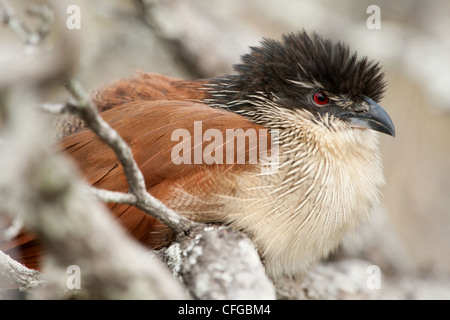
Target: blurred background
(410, 231)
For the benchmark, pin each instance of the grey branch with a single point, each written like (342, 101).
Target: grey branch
(17, 25)
(85, 108)
(12, 230)
(219, 263)
(113, 196)
(11, 270)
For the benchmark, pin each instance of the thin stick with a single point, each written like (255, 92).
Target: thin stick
(12, 20)
(86, 109)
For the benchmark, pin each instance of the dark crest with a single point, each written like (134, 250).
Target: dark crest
(275, 66)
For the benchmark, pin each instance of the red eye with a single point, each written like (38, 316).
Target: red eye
(320, 98)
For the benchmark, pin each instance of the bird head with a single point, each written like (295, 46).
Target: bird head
(306, 73)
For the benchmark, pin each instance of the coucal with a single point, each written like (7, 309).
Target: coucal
(320, 100)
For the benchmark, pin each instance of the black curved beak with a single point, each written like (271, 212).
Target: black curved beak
(370, 115)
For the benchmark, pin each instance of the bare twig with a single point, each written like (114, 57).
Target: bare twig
(113, 196)
(45, 14)
(183, 57)
(13, 230)
(11, 270)
(44, 60)
(54, 108)
(219, 263)
(18, 26)
(138, 196)
(85, 108)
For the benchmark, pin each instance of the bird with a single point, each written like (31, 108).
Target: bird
(310, 101)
